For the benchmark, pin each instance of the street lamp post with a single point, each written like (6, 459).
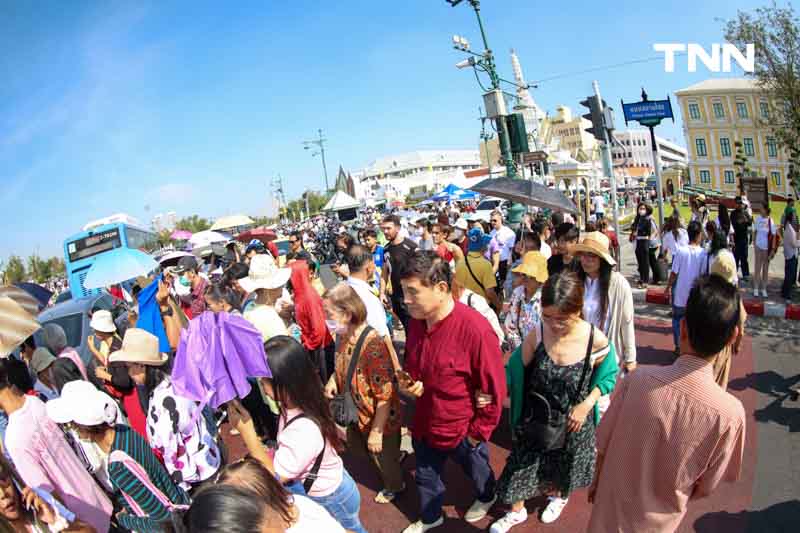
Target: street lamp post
(486, 61)
(320, 142)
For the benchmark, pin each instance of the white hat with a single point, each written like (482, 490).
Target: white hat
(102, 321)
(82, 403)
(461, 223)
(263, 274)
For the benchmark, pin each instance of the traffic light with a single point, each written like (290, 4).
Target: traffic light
(515, 124)
(595, 116)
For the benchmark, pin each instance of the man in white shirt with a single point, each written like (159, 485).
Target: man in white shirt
(690, 263)
(362, 269)
(599, 205)
(504, 238)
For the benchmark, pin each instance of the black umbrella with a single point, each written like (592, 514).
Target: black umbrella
(526, 192)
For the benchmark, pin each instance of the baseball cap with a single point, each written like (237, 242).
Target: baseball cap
(82, 403)
(187, 262)
(461, 223)
(724, 266)
(478, 240)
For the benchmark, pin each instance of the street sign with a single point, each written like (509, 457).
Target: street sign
(648, 113)
(533, 157)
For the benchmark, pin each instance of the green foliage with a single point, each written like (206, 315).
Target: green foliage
(193, 223)
(15, 270)
(296, 209)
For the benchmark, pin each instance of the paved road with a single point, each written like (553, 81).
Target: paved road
(764, 500)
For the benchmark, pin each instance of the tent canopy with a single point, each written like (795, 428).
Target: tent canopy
(232, 221)
(453, 193)
(339, 201)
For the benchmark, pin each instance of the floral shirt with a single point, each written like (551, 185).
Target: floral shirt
(373, 381)
(188, 447)
(522, 316)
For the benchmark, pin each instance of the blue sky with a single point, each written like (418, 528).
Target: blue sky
(141, 108)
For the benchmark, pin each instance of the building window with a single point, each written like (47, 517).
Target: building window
(719, 111)
(725, 146)
(776, 178)
(741, 109)
(764, 110)
(694, 111)
(705, 176)
(749, 148)
(700, 147)
(729, 177)
(772, 147)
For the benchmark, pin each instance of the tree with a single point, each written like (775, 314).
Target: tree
(193, 223)
(57, 266)
(740, 163)
(15, 270)
(775, 32)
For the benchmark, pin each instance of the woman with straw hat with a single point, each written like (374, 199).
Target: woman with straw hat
(175, 430)
(526, 308)
(608, 300)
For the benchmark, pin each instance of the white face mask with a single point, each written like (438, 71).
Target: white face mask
(418, 232)
(459, 233)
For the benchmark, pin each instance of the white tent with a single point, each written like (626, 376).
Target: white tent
(340, 201)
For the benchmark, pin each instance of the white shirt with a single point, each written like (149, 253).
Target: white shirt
(671, 244)
(599, 203)
(506, 238)
(376, 314)
(764, 226)
(545, 250)
(312, 517)
(790, 243)
(689, 264)
(479, 303)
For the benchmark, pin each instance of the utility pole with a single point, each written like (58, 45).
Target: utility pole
(606, 150)
(485, 137)
(320, 150)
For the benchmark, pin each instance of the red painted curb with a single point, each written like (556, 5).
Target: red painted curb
(793, 312)
(754, 307)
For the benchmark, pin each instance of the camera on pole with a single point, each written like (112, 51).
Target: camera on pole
(600, 115)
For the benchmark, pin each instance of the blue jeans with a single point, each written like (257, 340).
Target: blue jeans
(430, 466)
(677, 316)
(343, 504)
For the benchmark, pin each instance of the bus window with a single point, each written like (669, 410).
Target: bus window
(141, 240)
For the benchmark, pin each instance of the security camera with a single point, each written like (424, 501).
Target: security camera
(469, 62)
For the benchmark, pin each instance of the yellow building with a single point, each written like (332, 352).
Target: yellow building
(716, 114)
(569, 133)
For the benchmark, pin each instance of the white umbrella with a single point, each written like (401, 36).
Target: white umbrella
(233, 221)
(204, 238)
(118, 265)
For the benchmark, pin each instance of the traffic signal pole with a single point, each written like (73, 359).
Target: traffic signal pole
(606, 151)
(657, 167)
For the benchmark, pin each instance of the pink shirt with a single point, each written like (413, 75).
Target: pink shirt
(671, 435)
(45, 461)
(298, 448)
(73, 356)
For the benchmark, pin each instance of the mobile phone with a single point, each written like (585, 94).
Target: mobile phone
(404, 377)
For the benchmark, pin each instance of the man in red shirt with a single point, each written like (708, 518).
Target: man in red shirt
(452, 354)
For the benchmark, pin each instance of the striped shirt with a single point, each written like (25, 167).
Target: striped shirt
(689, 437)
(137, 448)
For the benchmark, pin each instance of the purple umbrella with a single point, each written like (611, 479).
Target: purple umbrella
(181, 235)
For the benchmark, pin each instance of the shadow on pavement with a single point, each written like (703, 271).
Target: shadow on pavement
(778, 518)
(773, 384)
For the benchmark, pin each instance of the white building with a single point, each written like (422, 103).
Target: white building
(395, 176)
(637, 148)
(164, 222)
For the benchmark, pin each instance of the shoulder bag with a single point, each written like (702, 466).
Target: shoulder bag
(343, 407)
(544, 427)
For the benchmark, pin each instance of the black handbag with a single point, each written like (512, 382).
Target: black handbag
(543, 427)
(343, 407)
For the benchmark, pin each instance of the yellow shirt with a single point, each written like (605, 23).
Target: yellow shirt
(482, 269)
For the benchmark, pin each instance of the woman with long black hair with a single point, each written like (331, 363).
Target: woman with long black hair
(644, 232)
(307, 456)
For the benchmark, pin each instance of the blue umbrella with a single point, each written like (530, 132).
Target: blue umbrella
(41, 294)
(118, 265)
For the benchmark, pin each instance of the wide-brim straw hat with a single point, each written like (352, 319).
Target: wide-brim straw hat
(264, 274)
(534, 265)
(597, 243)
(102, 321)
(16, 325)
(139, 346)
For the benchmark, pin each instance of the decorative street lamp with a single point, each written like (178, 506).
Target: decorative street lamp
(320, 143)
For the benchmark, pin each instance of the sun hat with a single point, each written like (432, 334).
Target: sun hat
(16, 325)
(102, 321)
(254, 244)
(478, 240)
(82, 403)
(461, 224)
(534, 265)
(139, 346)
(724, 266)
(596, 243)
(41, 359)
(700, 198)
(263, 274)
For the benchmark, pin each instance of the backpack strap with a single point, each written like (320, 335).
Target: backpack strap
(471, 273)
(311, 477)
(119, 456)
(469, 299)
(351, 369)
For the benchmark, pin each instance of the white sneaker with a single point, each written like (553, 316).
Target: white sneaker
(478, 510)
(510, 520)
(420, 527)
(553, 509)
(755, 293)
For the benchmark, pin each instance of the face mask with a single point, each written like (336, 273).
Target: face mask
(135, 309)
(418, 232)
(185, 281)
(341, 329)
(642, 212)
(273, 406)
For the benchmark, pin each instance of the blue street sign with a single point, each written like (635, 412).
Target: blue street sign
(651, 111)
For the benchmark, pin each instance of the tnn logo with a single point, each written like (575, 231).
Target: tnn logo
(712, 61)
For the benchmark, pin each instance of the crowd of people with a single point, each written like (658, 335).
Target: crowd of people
(304, 372)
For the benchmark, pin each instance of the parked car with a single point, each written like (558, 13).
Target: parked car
(484, 209)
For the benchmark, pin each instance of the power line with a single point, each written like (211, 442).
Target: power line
(604, 67)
